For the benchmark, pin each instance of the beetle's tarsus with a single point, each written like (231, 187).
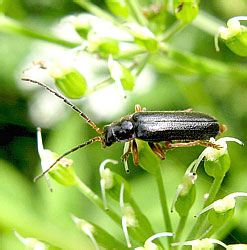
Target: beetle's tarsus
(170, 145)
(138, 108)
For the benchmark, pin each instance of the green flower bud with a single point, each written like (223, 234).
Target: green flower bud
(186, 196)
(235, 36)
(149, 245)
(69, 80)
(225, 204)
(221, 210)
(34, 244)
(82, 25)
(97, 235)
(185, 10)
(217, 160)
(147, 159)
(156, 15)
(186, 192)
(121, 75)
(62, 172)
(111, 183)
(219, 167)
(104, 46)
(129, 214)
(143, 36)
(118, 8)
(219, 219)
(203, 244)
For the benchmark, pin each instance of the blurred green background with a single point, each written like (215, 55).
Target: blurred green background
(30, 208)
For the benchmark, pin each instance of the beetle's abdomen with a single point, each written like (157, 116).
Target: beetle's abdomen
(174, 125)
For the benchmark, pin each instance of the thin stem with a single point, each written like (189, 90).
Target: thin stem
(136, 11)
(200, 65)
(129, 54)
(209, 232)
(176, 26)
(142, 64)
(85, 190)
(94, 9)
(96, 200)
(164, 206)
(100, 85)
(13, 26)
(195, 232)
(180, 228)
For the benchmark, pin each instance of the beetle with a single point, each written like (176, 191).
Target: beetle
(176, 128)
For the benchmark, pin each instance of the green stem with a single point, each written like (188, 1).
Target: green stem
(129, 54)
(94, 9)
(200, 65)
(142, 64)
(195, 232)
(146, 230)
(12, 26)
(180, 228)
(85, 190)
(136, 11)
(209, 232)
(164, 206)
(176, 26)
(100, 85)
(96, 200)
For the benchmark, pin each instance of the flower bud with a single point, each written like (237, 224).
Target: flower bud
(218, 219)
(143, 36)
(147, 159)
(62, 172)
(111, 183)
(221, 210)
(149, 245)
(32, 243)
(82, 24)
(205, 244)
(185, 10)
(97, 235)
(118, 7)
(69, 80)
(186, 195)
(235, 36)
(104, 46)
(121, 75)
(217, 160)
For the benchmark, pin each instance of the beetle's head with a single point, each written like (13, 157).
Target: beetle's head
(121, 131)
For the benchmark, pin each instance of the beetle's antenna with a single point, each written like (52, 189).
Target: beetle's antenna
(89, 121)
(67, 153)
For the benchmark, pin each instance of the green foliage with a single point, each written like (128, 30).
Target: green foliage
(177, 68)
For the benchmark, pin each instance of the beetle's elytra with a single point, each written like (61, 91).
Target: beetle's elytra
(175, 128)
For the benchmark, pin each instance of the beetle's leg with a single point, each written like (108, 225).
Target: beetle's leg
(126, 154)
(135, 153)
(157, 150)
(138, 108)
(170, 145)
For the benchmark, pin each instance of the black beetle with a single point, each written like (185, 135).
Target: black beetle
(187, 128)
